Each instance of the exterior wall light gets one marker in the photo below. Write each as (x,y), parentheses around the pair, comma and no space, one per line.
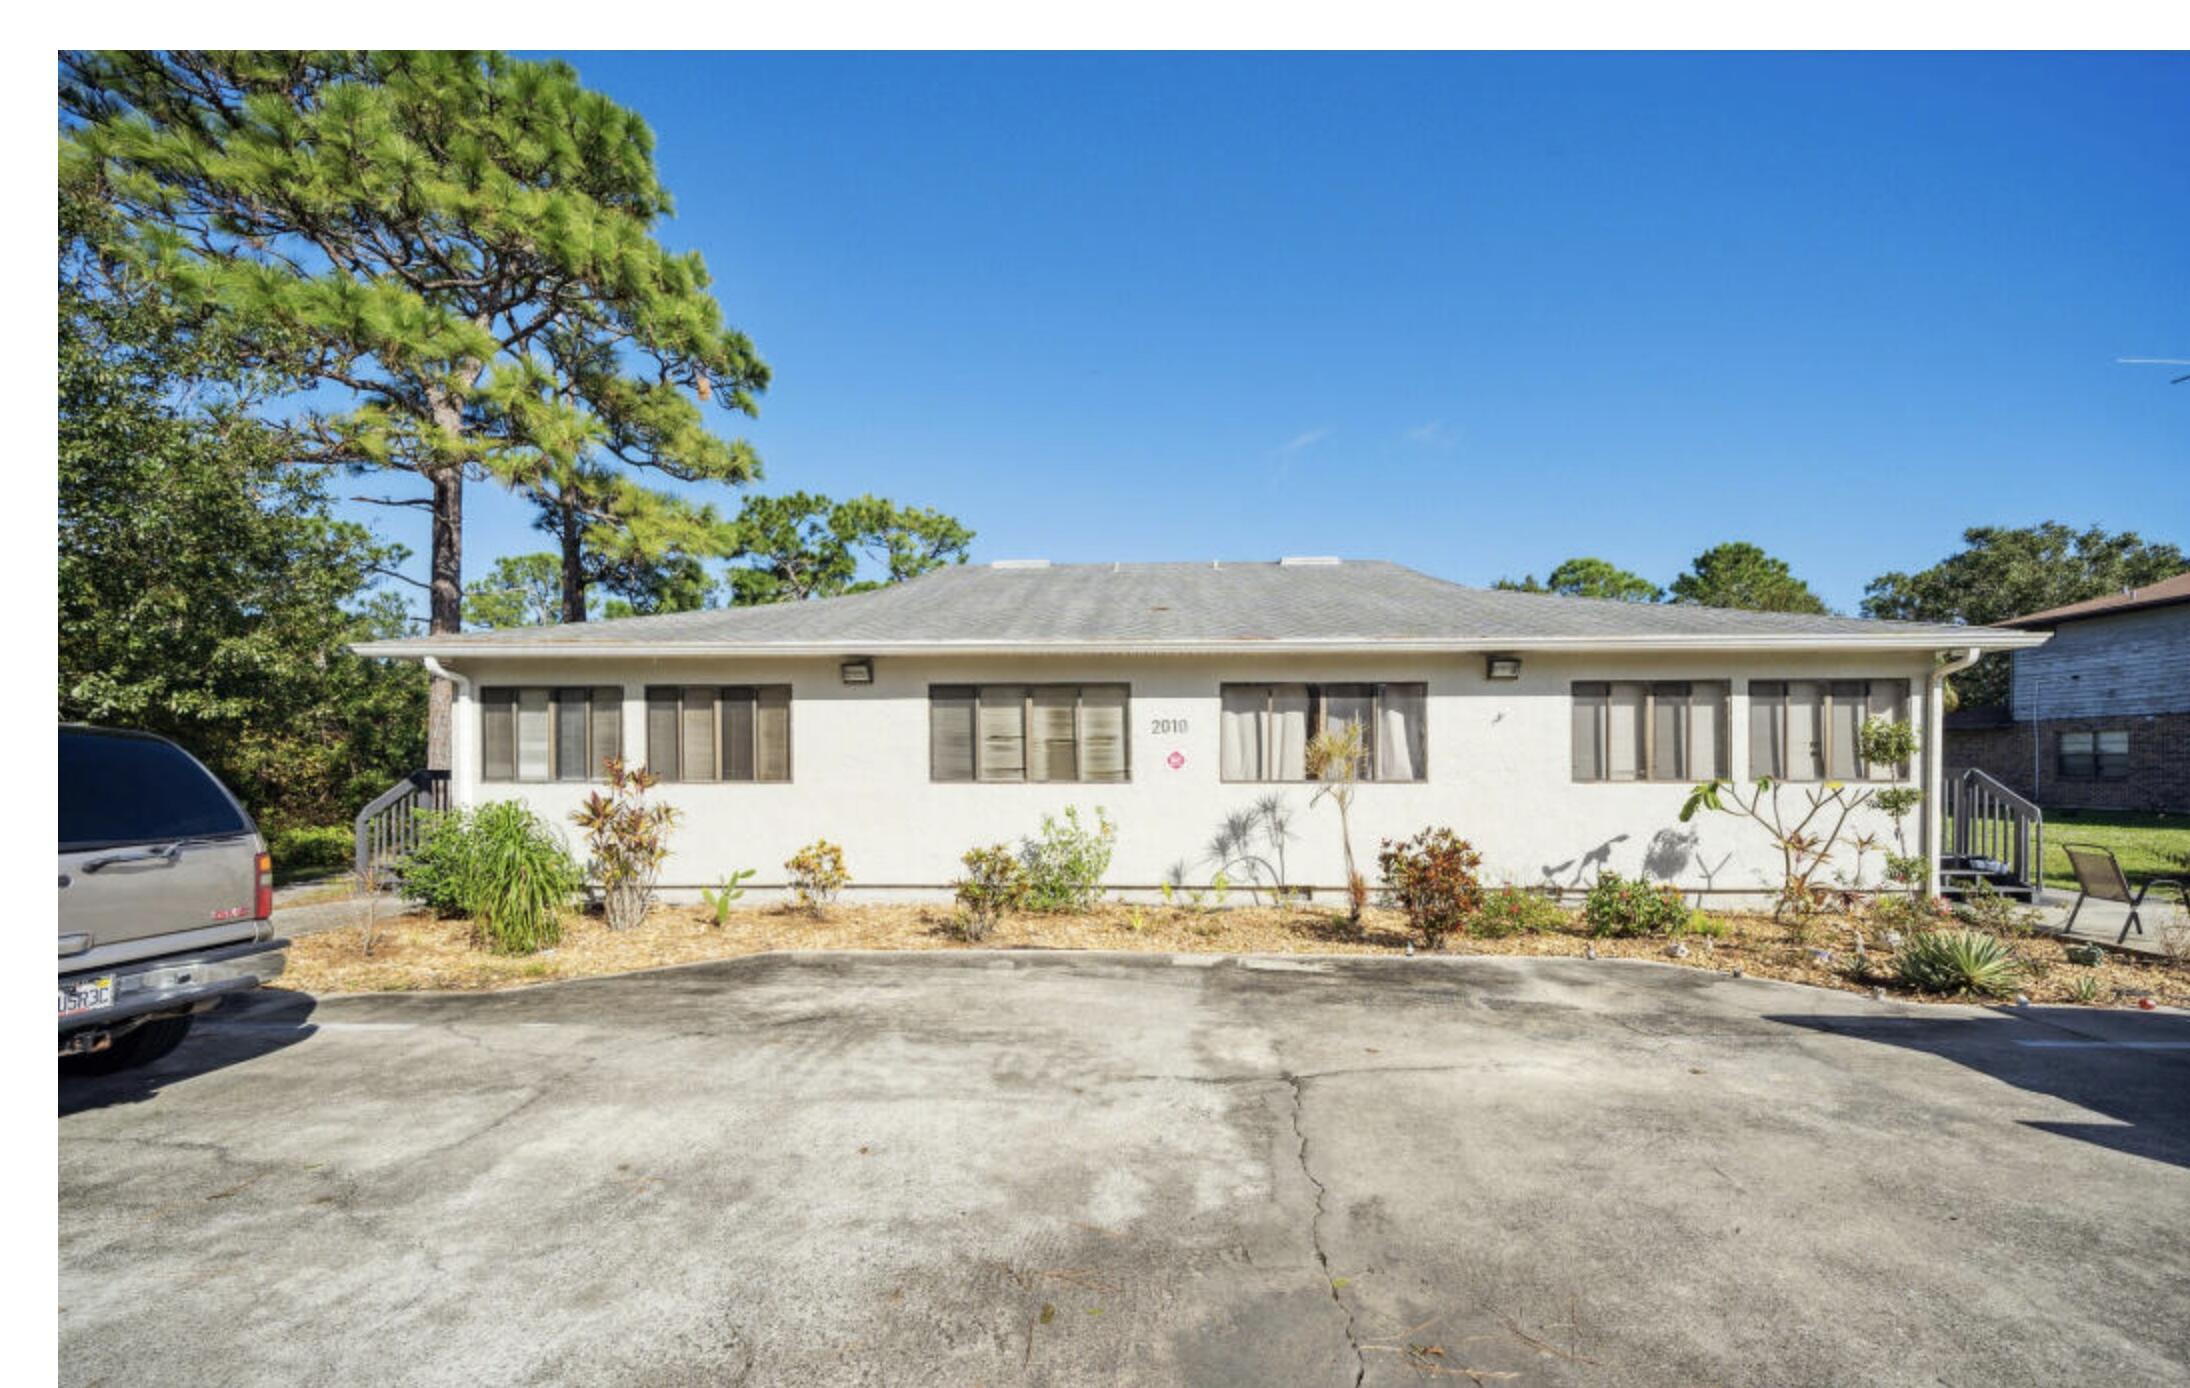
(857,671)
(1503,667)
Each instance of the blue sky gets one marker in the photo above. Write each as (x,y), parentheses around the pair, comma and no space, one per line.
(1474,314)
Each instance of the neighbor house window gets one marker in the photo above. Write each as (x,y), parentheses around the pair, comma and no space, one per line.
(1650,730)
(705,732)
(1028,732)
(2090,756)
(1811,730)
(542,734)
(1266,728)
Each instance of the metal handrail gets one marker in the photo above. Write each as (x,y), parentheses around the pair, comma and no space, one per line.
(389,827)
(1991,821)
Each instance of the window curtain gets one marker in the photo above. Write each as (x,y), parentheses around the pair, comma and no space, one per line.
(498,734)
(1624,733)
(1052,735)
(950,732)
(1102,734)
(661,731)
(1707,733)
(772,733)
(608,729)
(535,745)
(697,762)
(1805,745)
(1400,735)
(1003,741)
(1588,730)
(1243,723)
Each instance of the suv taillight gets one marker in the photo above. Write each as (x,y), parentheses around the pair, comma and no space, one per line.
(262,902)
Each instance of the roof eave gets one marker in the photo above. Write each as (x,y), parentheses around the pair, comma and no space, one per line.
(1990,639)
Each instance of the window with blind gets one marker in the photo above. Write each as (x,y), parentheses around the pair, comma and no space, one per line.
(1650,730)
(539,734)
(1265,728)
(1811,730)
(705,732)
(1028,732)
(2094,756)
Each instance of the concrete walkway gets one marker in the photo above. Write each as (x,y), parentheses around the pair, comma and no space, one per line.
(2101,921)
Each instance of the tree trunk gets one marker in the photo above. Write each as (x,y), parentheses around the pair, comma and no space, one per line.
(446,609)
(574,578)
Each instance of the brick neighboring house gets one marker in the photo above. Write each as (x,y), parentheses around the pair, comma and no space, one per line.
(2098,717)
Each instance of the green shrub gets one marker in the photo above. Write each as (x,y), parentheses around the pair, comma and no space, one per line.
(1702,923)
(1515,911)
(1619,906)
(313,848)
(438,872)
(1066,862)
(1983,908)
(1898,911)
(1431,877)
(1958,961)
(817,875)
(501,865)
(995,885)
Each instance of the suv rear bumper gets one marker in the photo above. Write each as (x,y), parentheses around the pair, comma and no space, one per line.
(174,983)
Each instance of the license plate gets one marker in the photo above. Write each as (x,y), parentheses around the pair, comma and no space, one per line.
(87,995)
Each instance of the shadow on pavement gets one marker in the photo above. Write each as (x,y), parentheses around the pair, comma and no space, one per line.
(2131,1067)
(240,1029)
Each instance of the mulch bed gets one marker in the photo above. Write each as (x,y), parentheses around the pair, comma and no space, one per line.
(419,953)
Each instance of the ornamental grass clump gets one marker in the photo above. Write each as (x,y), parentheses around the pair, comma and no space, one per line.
(501,865)
(1958,961)
(1431,877)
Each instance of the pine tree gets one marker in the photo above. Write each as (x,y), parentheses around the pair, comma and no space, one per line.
(461,244)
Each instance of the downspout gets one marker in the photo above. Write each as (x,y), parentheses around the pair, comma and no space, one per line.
(461,760)
(1935,754)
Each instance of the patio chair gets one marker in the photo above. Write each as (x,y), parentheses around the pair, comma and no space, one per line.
(2099,875)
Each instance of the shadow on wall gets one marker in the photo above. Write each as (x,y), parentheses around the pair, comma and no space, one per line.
(242,1028)
(1584,868)
(2130,1067)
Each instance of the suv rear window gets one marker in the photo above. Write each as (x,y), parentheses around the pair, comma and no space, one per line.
(121,790)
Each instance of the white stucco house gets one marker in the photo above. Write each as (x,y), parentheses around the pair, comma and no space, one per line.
(1557,734)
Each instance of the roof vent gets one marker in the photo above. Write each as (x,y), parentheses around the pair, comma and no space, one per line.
(1308,561)
(1019,563)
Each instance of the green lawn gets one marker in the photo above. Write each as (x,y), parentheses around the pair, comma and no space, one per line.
(2149,845)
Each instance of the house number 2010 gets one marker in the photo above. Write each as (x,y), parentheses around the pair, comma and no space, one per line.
(1166,726)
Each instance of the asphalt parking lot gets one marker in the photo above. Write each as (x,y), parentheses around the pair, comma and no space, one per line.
(992,1169)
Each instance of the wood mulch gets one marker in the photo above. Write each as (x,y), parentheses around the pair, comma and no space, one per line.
(419,953)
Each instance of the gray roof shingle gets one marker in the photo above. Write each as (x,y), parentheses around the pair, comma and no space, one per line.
(1155,606)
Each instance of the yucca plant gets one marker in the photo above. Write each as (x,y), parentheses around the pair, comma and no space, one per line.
(1958,961)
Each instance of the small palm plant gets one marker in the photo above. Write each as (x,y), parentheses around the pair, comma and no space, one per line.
(1335,758)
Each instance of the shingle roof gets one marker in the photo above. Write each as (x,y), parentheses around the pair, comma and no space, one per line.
(2167,590)
(1363,603)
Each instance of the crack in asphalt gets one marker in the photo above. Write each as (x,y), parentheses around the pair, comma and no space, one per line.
(1293,1084)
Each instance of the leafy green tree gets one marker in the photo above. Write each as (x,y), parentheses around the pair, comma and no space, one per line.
(523,590)
(1737,574)
(1589,578)
(644,545)
(2004,572)
(204,591)
(455,252)
(807,546)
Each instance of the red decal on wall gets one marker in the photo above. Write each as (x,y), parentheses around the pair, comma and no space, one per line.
(1175,760)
